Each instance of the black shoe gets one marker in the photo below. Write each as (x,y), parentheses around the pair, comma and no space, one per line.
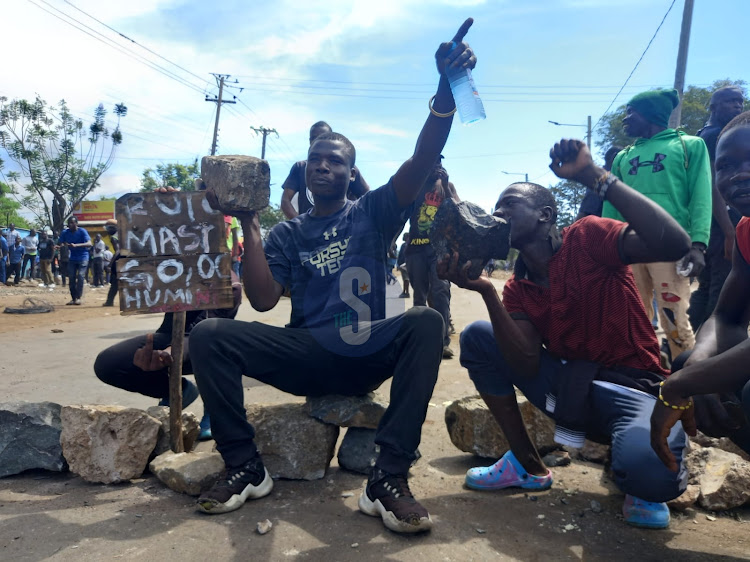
(388,496)
(108,304)
(237,485)
(447,352)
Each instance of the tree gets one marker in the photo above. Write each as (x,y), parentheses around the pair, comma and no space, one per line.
(9,209)
(694,114)
(270,217)
(60,161)
(568,195)
(175,175)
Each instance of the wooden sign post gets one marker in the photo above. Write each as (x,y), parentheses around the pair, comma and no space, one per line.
(174,258)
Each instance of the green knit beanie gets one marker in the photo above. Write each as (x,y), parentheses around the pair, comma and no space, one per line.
(656,105)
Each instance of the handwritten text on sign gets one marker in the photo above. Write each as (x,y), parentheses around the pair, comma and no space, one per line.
(174,254)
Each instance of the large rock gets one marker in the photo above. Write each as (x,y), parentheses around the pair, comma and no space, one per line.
(358,451)
(473,429)
(293,444)
(190,430)
(30,437)
(467,229)
(723,443)
(686,499)
(240,183)
(107,443)
(347,411)
(594,452)
(723,477)
(188,473)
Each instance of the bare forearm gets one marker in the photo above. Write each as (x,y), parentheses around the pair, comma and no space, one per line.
(719,208)
(521,354)
(260,286)
(725,372)
(435,132)
(655,227)
(288,209)
(413,173)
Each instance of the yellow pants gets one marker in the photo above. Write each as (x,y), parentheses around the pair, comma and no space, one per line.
(672,295)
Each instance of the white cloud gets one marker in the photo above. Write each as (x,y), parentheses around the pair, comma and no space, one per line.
(375,129)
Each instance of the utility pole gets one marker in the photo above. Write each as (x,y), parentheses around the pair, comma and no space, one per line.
(682,53)
(265,132)
(588,134)
(218,101)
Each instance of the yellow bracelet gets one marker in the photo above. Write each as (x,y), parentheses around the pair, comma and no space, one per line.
(668,405)
(435,113)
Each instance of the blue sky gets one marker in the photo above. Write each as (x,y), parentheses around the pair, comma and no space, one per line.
(365,67)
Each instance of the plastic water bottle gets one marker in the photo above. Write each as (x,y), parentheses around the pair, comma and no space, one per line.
(468,103)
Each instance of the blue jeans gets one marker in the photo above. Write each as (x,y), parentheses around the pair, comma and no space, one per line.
(2,269)
(618,412)
(76,275)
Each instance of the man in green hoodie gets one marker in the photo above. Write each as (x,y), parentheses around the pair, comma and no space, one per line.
(673,170)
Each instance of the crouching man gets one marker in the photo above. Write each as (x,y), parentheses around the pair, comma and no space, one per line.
(571,333)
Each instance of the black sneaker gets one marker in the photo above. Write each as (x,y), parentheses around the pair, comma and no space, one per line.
(388,496)
(237,485)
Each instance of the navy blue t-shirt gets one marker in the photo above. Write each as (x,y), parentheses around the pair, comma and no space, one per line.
(335,266)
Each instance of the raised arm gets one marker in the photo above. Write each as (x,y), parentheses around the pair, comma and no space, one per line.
(653,236)
(413,173)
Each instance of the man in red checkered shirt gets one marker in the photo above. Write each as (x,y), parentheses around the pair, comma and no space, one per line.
(572,334)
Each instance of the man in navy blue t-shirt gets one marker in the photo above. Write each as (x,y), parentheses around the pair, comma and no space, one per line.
(77,239)
(333,261)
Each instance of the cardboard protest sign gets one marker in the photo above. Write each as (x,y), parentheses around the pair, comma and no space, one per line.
(174,255)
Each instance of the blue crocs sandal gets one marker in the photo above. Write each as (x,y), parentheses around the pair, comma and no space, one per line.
(506,473)
(205,429)
(649,515)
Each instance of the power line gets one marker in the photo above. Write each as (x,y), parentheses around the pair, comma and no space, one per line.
(110,43)
(432,85)
(637,63)
(201,78)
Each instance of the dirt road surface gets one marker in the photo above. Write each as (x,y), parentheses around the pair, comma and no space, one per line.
(45,516)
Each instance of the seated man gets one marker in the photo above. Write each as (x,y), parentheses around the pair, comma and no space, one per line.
(716,371)
(571,333)
(141,364)
(338,340)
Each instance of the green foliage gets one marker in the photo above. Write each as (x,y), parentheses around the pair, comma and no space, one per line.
(9,208)
(694,114)
(568,195)
(175,175)
(270,217)
(59,162)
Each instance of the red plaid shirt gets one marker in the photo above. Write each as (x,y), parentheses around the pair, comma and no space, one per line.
(743,238)
(592,309)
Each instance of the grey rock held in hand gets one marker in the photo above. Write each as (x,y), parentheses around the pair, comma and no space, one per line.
(477,237)
(240,183)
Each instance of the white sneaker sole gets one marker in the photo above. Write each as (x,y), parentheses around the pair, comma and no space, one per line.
(376,509)
(237,500)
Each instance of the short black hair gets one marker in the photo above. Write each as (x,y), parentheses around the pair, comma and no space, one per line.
(72,218)
(724,90)
(539,197)
(742,120)
(342,139)
(320,124)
